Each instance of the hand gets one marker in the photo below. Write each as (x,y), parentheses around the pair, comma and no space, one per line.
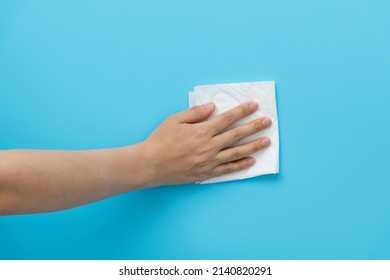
(187,147)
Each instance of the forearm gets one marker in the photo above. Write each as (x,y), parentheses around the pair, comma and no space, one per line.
(43,181)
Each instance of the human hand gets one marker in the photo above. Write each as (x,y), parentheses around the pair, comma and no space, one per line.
(187,147)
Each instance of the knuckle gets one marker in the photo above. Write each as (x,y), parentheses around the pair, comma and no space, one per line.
(228,118)
(190,163)
(206,151)
(237,134)
(200,164)
(256,146)
(242,165)
(236,153)
(197,110)
(244,111)
(205,174)
(257,125)
(202,131)
(227,168)
(209,147)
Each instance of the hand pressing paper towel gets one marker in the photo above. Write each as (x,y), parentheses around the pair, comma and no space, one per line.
(228,96)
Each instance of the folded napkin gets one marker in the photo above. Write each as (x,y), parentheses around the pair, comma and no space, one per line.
(228,96)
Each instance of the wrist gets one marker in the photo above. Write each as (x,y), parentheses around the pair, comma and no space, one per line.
(140,172)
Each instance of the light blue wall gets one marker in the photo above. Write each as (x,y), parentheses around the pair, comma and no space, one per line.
(92,74)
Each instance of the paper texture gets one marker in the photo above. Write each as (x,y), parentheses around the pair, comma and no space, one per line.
(228,96)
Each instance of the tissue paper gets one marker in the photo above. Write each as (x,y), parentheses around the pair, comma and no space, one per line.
(228,96)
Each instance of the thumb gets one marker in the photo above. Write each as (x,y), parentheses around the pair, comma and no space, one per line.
(196,113)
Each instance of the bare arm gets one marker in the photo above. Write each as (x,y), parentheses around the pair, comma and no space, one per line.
(43,181)
(185,148)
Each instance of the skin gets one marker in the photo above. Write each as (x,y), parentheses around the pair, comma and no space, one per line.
(185,148)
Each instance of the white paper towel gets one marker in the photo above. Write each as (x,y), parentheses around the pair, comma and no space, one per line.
(228,96)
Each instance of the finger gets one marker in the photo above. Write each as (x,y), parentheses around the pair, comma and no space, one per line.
(243,151)
(232,166)
(196,113)
(230,117)
(236,134)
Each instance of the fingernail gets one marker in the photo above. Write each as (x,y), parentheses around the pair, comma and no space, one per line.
(253,106)
(250,161)
(265,142)
(209,105)
(267,122)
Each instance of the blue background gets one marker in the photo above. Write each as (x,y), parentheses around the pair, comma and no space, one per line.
(94,74)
